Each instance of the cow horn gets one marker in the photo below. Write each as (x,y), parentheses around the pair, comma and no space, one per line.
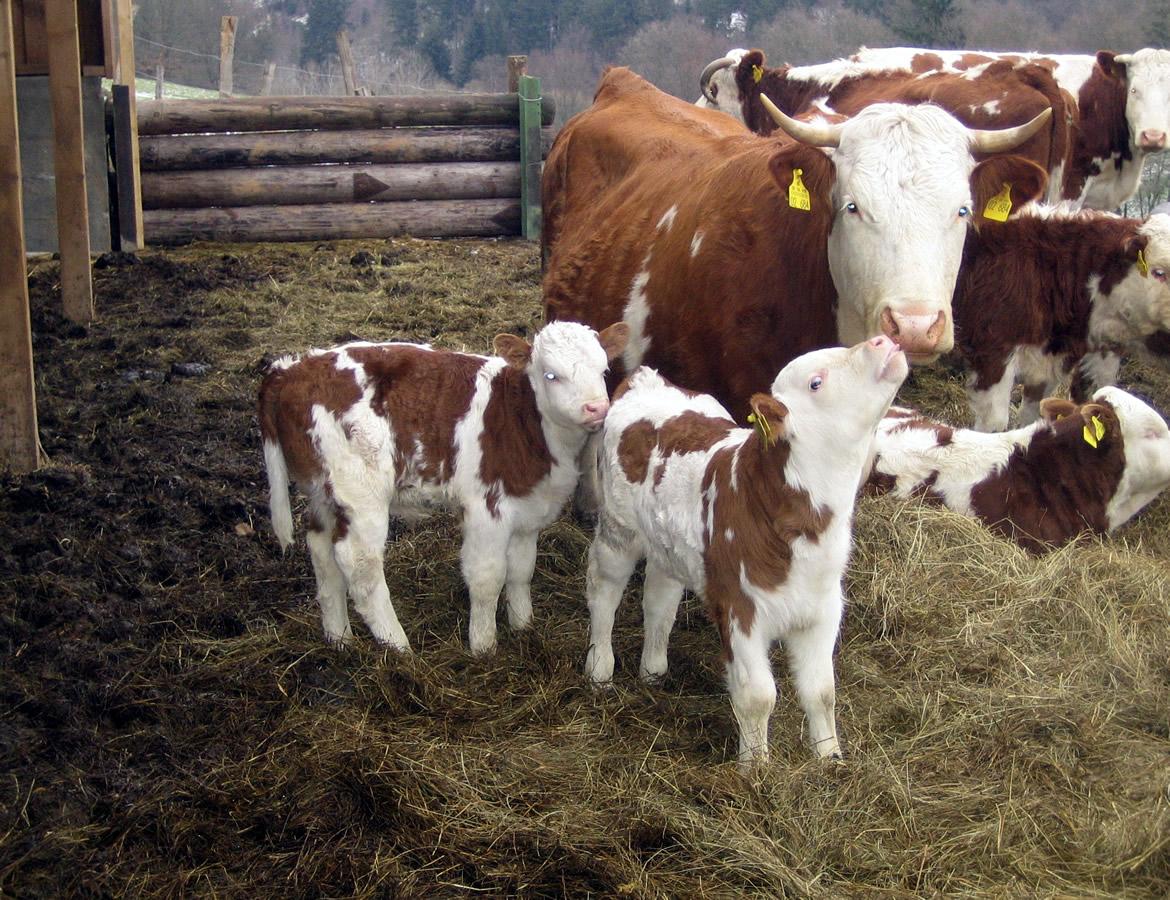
(814,134)
(713,67)
(1124,58)
(1001,140)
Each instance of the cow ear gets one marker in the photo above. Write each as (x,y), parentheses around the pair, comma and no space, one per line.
(744,77)
(614,339)
(1053,408)
(1024,181)
(1110,64)
(515,350)
(1135,244)
(768,417)
(816,175)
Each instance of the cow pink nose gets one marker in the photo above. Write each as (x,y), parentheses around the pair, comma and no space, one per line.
(882,342)
(597,409)
(1153,138)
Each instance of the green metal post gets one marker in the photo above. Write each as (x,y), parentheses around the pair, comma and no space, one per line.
(530,157)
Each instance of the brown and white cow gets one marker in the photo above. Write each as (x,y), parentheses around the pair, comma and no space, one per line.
(1081,468)
(998,95)
(1121,102)
(370,430)
(1051,292)
(729,256)
(758,521)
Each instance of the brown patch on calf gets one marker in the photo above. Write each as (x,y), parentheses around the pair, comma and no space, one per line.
(516,457)
(688,432)
(635,446)
(926,62)
(1059,485)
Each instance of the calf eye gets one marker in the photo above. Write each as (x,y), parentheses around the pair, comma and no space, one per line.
(1158,273)
(851,206)
(550,376)
(964,211)
(814,383)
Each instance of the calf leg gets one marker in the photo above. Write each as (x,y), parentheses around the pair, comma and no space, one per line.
(612,557)
(660,598)
(991,404)
(330,580)
(753,692)
(484,557)
(810,655)
(521,565)
(1096,370)
(587,496)
(359,554)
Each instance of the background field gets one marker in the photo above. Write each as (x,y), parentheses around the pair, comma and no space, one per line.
(170,722)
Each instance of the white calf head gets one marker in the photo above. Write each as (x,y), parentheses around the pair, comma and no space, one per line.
(1147,454)
(1138,305)
(906,188)
(566,365)
(835,397)
(1147,101)
(718,87)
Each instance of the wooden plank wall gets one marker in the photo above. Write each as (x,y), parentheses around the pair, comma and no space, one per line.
(32,42)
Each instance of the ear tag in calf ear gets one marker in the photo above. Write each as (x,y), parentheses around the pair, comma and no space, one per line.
(999,207)
(798,197)
(757,73)
(763,428)
(1142,265)
(1094,434)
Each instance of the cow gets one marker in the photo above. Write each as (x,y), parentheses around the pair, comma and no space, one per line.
(998,95)
(1052,292)
(757,521)
(1080,468)
(730,255)
(367,430)
(1121,102)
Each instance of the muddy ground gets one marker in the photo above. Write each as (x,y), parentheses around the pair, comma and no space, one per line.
(171,724)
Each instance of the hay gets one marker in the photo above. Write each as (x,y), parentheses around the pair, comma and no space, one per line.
(174,725)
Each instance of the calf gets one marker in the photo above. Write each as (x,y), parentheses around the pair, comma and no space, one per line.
(1051,292)
(1081,468)
(757,521)
(367,430)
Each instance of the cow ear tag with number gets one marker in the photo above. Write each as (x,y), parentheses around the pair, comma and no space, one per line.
(757,73)
(798,196)
(999,207)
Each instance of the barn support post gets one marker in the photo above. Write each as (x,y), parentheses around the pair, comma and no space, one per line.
(345,54)
(69,158)
(20,449)
(227,50)
(269,75)
(530,157)
(517,66)
(126,134)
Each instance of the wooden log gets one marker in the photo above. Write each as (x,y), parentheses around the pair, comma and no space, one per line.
(20,449)
(69,159)
(269,75)
(227,52)
(330,184)
(290,113)
(390,145)
(345,54)
(335,221)
(517,66)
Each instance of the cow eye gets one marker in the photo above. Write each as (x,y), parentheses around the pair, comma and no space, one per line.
(1158,273)
(814,383)
(964,211)
(550,376)
(851,206)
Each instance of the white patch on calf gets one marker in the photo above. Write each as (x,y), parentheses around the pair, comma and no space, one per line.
(635,314)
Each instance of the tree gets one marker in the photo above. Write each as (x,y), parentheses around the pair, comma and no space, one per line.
(325,19)
(926,23)
(828,31)
(671,53)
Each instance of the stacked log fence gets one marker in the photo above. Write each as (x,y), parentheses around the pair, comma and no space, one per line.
(323,168)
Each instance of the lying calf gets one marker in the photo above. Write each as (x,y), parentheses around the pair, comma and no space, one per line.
(1051,292)
(757,521)
(370,430)
(1080,468)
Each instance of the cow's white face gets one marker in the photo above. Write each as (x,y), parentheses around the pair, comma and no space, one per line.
(1147,104)
(567,370)
(1139,304)
(1147,454)
(723,91)
(902,202)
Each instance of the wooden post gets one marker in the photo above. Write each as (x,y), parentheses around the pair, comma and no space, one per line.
(69,158)
(126,134)
(20,450)
(158,79)
(346,55)
(530,157)
(227,49)
(517,66)
(269,76)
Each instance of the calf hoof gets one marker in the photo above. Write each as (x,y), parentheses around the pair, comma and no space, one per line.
(598,668)
(652,677)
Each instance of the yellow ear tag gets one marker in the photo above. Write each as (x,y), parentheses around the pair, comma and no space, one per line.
(757,73)
(1093,435)
(999,207)
(1142,265)
(763,428)
(798,197)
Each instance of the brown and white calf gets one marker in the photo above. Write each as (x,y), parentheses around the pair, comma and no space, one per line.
(1081,468)
(758,521)
(370,430)
(1052,292)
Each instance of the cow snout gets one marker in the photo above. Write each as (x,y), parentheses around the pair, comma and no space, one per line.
(1152,139)
(595,411)
(920,335)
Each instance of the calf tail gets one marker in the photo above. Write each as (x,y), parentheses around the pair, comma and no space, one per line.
(278,500)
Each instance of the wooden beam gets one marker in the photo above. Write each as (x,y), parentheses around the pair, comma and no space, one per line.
(158,79)
(227,51)
(69,159)
(127,164)
(269,75)
(517,66)
(530,157)
(20,450)
(347,72)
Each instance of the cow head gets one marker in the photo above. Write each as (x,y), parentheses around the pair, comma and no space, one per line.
(1146,440)
(1137,306)
(566,364)
(1146,74)
(717,84)
(904,193)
